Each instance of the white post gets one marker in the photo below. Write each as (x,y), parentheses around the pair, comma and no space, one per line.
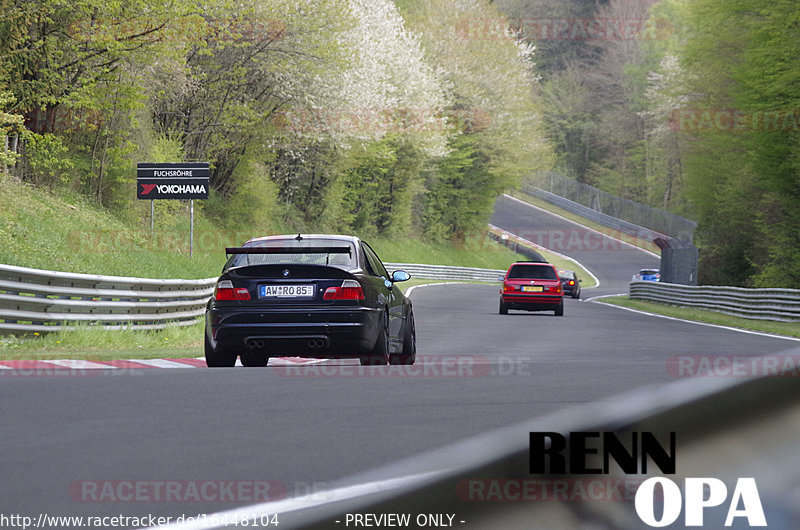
(191,228)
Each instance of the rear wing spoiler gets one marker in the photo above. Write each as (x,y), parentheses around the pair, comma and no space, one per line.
(289,250)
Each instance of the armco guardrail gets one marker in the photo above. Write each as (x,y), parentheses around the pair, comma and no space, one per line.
(633,212)
(447,272)
(762,304)
(38,301)
(678,254)
(598,217)
(34,300)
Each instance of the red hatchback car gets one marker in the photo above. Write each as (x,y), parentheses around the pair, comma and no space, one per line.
(532,287)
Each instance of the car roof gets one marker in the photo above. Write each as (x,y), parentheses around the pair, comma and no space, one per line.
(338,237)
(534,263)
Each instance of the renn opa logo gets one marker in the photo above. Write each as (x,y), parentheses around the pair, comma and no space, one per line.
(573,454)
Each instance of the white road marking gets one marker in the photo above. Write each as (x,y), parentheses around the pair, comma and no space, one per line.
(294,361)
(411,289)
(748,331)
(77,364)
(161,363)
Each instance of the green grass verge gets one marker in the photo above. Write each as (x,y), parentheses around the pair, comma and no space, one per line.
(544,205)
(63,231)
(98,344)
(789,329)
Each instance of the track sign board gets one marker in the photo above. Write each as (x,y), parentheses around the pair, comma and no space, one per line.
(182,180)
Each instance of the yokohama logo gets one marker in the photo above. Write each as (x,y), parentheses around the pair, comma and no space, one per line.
(173,188)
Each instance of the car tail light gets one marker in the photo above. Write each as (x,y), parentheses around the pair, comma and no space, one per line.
(508,287)
(572,282)
(349,290)
(226,291)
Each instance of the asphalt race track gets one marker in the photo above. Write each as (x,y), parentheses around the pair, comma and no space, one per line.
(610,259)
(293,430)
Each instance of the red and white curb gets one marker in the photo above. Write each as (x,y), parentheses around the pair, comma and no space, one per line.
(198,362)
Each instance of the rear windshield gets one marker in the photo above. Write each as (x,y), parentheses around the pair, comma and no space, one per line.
(566,274)
(534,272)
(306,253)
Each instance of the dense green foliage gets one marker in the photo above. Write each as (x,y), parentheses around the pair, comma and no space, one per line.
(407,118)
(745,178)
(320,115)
(694,112)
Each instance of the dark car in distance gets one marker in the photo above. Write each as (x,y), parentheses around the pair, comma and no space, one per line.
(319,296)
(570,283)
(532,286)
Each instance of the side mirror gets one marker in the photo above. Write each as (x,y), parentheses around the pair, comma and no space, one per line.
(400,276)
(580,281)
(501,278)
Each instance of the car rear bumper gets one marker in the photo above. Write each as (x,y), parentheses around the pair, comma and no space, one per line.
(535,302)
(309,332)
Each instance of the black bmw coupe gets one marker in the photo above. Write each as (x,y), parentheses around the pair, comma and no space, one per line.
(320,296)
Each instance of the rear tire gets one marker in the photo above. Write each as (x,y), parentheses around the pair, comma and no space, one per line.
(217,358)
(409,353)
(560,311)
(254,359)
(503,308)
(379,355)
